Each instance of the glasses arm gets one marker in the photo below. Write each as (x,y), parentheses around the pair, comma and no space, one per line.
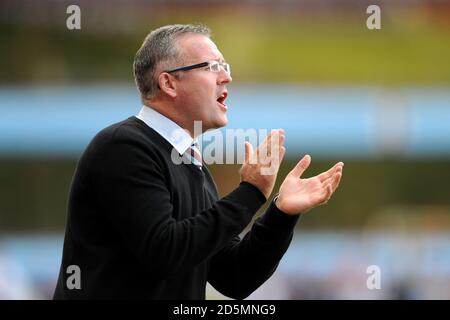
(193,66)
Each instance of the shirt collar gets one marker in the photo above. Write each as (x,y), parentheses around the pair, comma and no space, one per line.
(169,130)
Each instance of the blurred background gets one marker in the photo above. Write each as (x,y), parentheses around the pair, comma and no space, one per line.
(379,100)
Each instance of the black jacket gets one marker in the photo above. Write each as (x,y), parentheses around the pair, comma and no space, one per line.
(140,226)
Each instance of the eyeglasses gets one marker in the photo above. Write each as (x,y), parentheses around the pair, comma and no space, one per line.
(213,66)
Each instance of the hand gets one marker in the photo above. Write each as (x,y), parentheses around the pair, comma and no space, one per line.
(298,195)
(260,168)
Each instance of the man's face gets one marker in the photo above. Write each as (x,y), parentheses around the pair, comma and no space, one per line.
(201,93)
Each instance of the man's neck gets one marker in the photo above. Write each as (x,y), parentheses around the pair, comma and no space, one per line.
(167,111)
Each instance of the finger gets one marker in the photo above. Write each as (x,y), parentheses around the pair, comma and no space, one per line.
(324,176)
(329,179)
(276,151)
(329,192)
(273,143)
(326,194)
(276,143)
(282,138)
(270,148)
(336,181)
(276,140)
(274,136)
(301,166)
(248,151)
(332,185)
(329,173)
(282,153)
(263,147)
(269,137)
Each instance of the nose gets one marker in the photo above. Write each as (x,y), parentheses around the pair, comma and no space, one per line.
(224,77)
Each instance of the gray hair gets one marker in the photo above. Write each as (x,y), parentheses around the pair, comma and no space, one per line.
(158,49)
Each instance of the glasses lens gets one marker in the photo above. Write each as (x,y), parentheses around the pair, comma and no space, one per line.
(226,67)
(214,66)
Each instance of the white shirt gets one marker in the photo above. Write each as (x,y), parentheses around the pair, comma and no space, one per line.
(169,130)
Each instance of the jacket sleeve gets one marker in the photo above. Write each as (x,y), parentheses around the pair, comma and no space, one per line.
(131,192)
(243,265)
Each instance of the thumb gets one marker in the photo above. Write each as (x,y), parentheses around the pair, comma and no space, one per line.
(248,151)
(301,166)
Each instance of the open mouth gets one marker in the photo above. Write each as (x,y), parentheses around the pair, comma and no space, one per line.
(221,100)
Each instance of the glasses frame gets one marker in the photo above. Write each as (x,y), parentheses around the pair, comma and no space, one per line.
(225,66)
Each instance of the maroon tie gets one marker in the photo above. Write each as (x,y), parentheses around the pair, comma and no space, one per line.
(196,156)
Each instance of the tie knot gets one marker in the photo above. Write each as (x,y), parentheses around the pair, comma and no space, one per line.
(196,156)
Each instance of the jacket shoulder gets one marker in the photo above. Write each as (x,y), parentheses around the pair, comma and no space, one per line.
(129,134)
(123,131)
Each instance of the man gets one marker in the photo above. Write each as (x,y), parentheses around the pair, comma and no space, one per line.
(141,225)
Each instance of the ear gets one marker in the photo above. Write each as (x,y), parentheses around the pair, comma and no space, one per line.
(168,84)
